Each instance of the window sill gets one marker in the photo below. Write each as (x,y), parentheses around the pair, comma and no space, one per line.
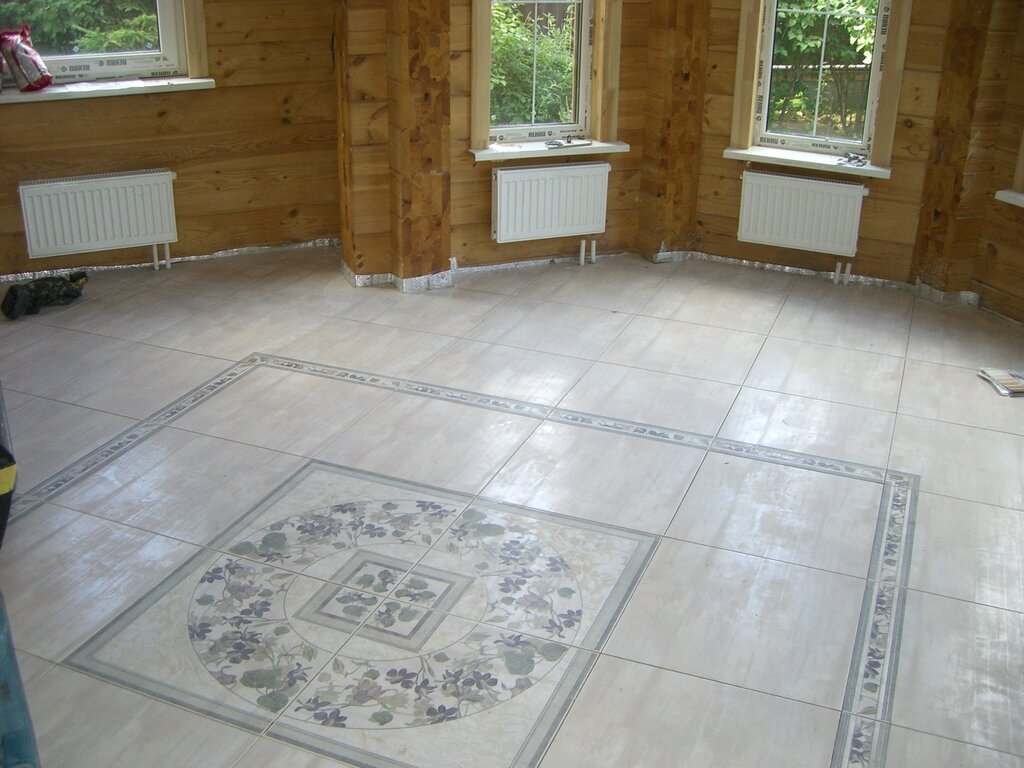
(107,88)
(1011,196)
(796,159)
(496,153)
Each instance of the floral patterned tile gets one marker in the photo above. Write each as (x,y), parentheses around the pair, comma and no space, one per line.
(487,700)
(335,623)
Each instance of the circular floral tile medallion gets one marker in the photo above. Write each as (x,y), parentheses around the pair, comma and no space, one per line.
(362,577)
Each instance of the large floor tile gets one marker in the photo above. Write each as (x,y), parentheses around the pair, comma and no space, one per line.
(364,347)
(685,349)
(520,374)
(598,475)
(35,424)
(816,427)
(784,513)
(236,328)
(558,328)
(960,672)
(219,278)
(123,729)
(965,337)
(962,462)
(30,667)
(908,748)
(600,285)
(733,275)
(329,294)
(65,574)
(958,395)
(283,410)
(650,397)
(506,281)
(267,753)
(136,312)
(636,715)
(27,371)
(769,626)
(879,297)
(431,441)
(722,306)
(181,484)
(106,374)
(969,551)
(853,377)
(451,312)
(854,326)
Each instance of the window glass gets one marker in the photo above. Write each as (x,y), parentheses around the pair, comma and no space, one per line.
(540,65)
(819,73)
(102,39)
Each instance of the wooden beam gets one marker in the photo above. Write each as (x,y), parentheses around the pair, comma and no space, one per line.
(604,97)
(194,13)
(935,249)
(345,181)
(677,77)
(419,129)
(742,133)
(480,84)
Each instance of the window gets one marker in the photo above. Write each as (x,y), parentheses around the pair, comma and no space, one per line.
(104,39)
(540,69)
(818,83)
(818,74)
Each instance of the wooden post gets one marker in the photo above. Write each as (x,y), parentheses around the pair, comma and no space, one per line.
(937,261)
(677,70)
(348,250)
(419,132)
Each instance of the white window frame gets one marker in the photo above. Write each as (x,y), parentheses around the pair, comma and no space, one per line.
(829,146)
(550,131)
(171,60)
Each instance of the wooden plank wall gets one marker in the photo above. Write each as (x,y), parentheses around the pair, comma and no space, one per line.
(471,242)
(256,157)
(677,67)
(890,214)
(419,56)
(363,136)
(999,272)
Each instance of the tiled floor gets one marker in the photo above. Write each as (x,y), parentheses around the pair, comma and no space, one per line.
(624,514)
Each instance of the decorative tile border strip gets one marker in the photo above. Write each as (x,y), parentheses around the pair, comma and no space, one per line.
(863,730)
(55,484)
(799,460)
(631,428)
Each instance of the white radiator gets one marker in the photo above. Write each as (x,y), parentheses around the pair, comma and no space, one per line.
(542,201)
(796,212)
(79,214)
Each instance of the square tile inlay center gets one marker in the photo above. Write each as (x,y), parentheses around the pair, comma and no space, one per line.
(405,622)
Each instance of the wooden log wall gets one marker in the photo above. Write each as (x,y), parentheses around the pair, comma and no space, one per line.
(419,55)
(677,67)
(363,136)
(471,181)
(999,271)
(891,210)
(256,157)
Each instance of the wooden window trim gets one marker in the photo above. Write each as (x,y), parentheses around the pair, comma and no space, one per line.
(749,53)
(196,51)
(604,94)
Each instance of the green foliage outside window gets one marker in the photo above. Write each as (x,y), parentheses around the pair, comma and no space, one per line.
(67,27)
(530,49)
(832,84)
